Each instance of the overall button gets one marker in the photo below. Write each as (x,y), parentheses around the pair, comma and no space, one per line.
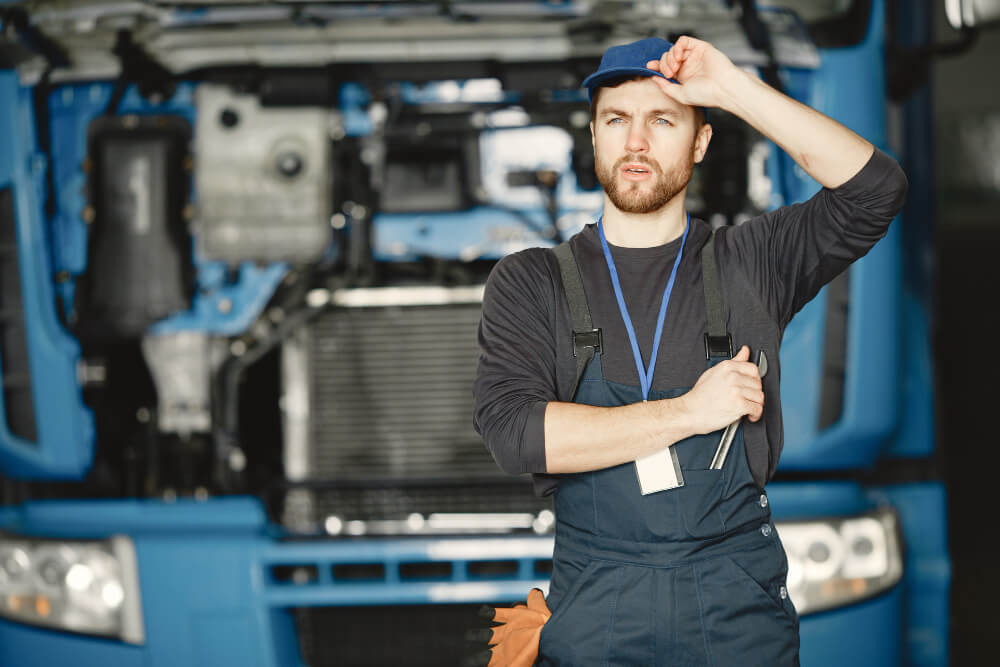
(783,592)
(765,530)
(763,500)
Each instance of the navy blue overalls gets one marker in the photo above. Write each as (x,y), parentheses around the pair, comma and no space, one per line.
(690,576)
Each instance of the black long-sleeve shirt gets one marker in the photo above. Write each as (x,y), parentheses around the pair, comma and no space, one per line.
(770,267)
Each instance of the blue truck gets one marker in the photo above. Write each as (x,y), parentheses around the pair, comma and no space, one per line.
(242,254)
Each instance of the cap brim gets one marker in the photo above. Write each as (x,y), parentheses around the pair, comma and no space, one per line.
(598,78)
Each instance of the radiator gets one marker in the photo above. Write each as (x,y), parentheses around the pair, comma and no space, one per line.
(377,402)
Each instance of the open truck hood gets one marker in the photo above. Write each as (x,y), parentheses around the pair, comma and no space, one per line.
(186,36)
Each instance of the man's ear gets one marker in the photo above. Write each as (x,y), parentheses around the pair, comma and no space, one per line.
(701,141)
(593,140)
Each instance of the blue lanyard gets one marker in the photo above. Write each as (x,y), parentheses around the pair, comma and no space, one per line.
(645,376)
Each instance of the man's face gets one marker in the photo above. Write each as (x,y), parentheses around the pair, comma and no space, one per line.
(645,145)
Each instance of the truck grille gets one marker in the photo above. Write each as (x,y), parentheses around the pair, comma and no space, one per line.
(410,635)
(388,431)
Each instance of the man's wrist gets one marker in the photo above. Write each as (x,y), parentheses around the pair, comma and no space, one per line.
(736,87)
(674,419)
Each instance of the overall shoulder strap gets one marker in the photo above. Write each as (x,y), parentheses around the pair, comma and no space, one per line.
(718,341)
(586,339)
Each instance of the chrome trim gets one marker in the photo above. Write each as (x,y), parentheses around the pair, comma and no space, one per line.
(133,625)
(370,297)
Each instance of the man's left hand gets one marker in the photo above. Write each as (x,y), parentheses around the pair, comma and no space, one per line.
(515,642)
(701,72)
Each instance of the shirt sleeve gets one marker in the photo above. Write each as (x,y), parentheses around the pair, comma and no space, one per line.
(790,253)
(516,376)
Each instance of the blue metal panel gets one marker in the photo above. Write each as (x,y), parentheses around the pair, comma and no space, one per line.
(849,89)
(479,233)
(863,634)
(927,572)
(811,500)
(95,518)
(26,646)
(202,603)
(871,394)
(915,436)
(65,444)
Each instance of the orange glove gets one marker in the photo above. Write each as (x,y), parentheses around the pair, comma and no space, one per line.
(515,642)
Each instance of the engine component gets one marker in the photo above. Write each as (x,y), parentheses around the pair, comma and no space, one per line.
(139,267)
(421,178)
(181,369)
(263,178)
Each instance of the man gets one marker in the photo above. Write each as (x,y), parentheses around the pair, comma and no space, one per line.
(692,574)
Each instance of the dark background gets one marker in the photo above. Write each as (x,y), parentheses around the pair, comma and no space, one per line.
(966,93)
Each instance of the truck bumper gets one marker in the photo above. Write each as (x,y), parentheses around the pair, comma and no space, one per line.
(219,589)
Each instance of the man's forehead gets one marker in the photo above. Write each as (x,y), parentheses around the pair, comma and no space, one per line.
(639,96)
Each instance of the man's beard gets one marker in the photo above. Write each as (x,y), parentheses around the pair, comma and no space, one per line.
(633,197)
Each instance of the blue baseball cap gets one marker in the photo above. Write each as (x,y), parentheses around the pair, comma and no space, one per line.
(627,60)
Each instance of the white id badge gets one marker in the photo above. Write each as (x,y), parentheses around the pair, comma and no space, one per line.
(659,471)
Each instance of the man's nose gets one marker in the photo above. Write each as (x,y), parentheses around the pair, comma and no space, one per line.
(636,141)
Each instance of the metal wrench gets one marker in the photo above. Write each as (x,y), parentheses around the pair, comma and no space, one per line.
(727,436)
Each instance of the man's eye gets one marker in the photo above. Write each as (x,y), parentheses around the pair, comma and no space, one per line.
(663,121)
(616,121)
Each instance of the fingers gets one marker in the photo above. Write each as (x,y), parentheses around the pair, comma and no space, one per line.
(755,397)
(672,90)
(516,648)
(740,363)
(735,371)
(506,614)
(536,602)
(498,634)
(672,61)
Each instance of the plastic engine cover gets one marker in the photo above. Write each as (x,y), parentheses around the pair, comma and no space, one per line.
(263,178)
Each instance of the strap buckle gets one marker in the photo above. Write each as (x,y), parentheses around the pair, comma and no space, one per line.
(582,339)
(718,346)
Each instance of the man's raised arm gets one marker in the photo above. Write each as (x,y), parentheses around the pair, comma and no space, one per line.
(825,149)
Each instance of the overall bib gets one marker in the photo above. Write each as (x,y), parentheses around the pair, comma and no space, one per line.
(690,576)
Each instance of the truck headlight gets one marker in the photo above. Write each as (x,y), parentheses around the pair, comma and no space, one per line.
(832,563)
(90,587)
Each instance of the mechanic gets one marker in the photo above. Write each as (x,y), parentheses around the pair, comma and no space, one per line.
(694,573)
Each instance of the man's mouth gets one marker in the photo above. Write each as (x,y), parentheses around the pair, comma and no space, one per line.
(635,171)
